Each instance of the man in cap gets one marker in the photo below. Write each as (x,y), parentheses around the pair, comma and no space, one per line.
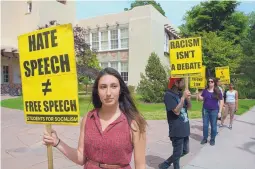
(177,103)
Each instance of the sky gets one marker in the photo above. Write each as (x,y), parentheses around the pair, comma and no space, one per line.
(174,10)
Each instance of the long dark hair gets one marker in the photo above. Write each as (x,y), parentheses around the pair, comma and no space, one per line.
(126,103)
(216,90)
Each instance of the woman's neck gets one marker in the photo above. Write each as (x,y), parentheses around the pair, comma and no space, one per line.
(210,88)
(107,112)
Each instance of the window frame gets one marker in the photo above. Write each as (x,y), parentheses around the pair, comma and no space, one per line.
(124,38)
(4,74)
(116,39)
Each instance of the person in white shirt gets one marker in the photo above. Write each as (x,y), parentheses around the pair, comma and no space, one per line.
(231,104)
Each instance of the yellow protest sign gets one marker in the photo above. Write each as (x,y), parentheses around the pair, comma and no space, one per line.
(223,74)
(198,82)
(49,78)
(186,57)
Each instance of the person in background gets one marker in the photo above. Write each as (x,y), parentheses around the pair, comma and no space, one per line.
(177,103)
(111,132)
(219,86)
(211,109)
(218,82)
(231,104)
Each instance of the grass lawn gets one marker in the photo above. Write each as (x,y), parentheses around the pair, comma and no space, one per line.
(150,111)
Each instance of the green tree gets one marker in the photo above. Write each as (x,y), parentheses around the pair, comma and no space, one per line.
(235,27)
(217,52)
(87,62)
(248,44)
(207,16)
(245,81)
(142,3)
(85,80)
(153,84)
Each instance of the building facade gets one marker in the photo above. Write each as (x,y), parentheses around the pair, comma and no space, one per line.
(125,40)
(20,17)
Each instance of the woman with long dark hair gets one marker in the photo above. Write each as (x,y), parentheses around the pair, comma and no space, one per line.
(231,104)
(211,109)
(111,132)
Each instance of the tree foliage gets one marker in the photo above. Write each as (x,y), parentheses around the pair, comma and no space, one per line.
(228,39)
(207,16)
(221,28)
(248,44)
(87,62)
(153,84)
(142,3)
(218,52)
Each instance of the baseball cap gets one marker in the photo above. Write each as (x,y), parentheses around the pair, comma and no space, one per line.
(172,81)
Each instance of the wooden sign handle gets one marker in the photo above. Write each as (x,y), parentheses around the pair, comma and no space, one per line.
(49,149)
(186,83)
(187,87)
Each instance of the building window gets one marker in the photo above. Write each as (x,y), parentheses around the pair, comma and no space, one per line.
(114,39)
(5,74)
(114,65)
(62,1)
(124,71)
(87,38)
(29,7)
(95,41)
(104,40)
(166,43)
(124,37)
(104,65)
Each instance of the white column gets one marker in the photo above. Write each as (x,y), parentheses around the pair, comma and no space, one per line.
(119,42)
(119,67)
(109,64)
(90,40)
(100,64)
(99,37)
(109,39)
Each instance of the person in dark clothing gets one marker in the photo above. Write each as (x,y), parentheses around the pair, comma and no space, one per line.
(177,103)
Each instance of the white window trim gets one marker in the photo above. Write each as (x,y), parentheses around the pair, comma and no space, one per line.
(109,41)
(111,50)
(119,67)
(99,38)
(119,40)
(95,41)
(90,40)
(124,38)
(2,74)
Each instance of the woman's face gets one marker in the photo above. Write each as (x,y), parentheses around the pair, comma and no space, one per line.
(231,86)
(109,90)
(211,83)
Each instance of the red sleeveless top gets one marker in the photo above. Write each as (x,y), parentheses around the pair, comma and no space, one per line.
(111,146)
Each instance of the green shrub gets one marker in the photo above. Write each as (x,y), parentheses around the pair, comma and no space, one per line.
(154,83)
(131,89)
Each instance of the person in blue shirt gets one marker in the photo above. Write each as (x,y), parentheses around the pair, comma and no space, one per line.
(177,103)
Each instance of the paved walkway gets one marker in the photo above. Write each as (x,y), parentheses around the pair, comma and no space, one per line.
(22,147)
(234,149)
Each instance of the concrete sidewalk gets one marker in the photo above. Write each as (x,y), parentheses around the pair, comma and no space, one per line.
(21,146)
(234,149)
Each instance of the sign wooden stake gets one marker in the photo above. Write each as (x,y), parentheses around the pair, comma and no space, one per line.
(187,86)
(186,83)
(49,149)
